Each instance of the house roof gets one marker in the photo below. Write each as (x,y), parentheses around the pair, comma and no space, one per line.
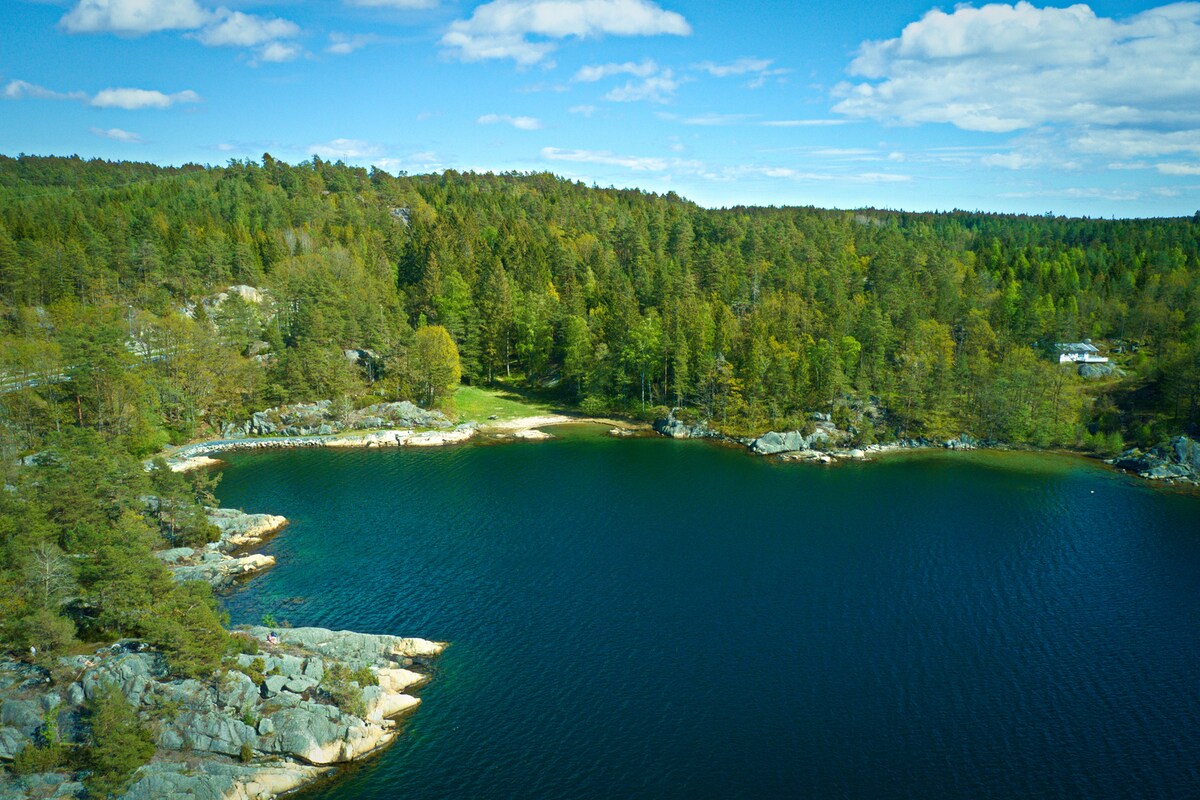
(1076,347)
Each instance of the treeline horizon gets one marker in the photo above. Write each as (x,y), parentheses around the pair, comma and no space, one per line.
(615,300)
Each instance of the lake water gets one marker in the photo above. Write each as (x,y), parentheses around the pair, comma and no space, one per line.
(658,619)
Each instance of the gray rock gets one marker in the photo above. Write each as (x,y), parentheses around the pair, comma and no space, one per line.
(314,668)
(175,555)
(24,715)
(266,726)
(1187,451)
(274,684)
(774,442)
(212,732)
(288,665)
(238,690)
(680,430)
(299,684)
(12,741)
(218,780)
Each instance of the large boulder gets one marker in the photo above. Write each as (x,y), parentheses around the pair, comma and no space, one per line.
(354,649)
(774,442)
(677,429)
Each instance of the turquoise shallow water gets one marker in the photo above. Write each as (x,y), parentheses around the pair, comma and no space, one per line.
(650,618)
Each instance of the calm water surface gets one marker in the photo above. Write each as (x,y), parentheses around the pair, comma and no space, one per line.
(650,618)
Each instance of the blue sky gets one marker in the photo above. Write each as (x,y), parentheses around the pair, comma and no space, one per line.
(1084,110)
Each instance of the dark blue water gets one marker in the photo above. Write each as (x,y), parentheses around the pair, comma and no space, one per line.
(651,618)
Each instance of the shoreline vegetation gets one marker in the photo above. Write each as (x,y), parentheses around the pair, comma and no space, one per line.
(138,316)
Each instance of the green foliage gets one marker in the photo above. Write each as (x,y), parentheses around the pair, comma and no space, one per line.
(344,689)
(46,753)
(118,743)
(434,369)
(187,627)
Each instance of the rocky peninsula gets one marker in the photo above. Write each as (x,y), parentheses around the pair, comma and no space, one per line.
(285,712)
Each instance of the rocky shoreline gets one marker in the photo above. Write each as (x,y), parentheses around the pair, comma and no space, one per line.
(286,712)
(1176,462)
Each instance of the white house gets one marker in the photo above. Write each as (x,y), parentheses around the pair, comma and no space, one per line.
(1079,353)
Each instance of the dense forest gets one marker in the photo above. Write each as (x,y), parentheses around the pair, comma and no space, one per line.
(112,345)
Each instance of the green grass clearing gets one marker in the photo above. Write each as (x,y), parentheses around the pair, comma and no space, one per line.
(476,404)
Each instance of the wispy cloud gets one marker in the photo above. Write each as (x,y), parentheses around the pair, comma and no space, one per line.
(117,135)
(658,88)
(520,123)
(403,5)
(595,72)
(525,31)
(1178,169)
(636,163)
(133,99)
(759,70)
(345,148)
(585,110)
(134,17)
(269,37)
(19,90)
(341,44)
(801,123)
(236,29)
(126,98)
(715,120)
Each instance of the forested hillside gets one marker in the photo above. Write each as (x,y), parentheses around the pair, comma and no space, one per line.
(616,300)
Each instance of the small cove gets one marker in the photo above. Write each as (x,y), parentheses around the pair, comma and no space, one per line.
(651,618)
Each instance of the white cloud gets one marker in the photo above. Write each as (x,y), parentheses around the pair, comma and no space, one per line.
(1137,142)
(1014,160)
(341,44)
(219,28)
(597,72)
(134,99)
(713,120)
(125,98)
(739,67)
(520,123)
(133,17)
(656,89)
(400,4)
(118,135)
(502,29)
(277,53)
(809,177)
(19,90)
(802,123)
(345,148)
(1002,68)
(586,111)
(759,68)
(1178,169)
(236,29)
(635,163)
